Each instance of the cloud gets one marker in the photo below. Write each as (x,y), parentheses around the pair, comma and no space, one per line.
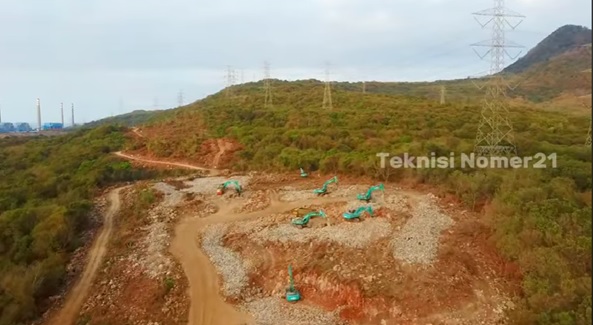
(95,52)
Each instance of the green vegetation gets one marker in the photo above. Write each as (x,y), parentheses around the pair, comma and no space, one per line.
(541,217)
(45,197)
(128,119)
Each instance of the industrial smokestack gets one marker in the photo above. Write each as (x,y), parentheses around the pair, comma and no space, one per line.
(72,114)
(39,114)
(62,112)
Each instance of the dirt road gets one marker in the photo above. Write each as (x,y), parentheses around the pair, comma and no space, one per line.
(213,172)
(207,305)
(69,312)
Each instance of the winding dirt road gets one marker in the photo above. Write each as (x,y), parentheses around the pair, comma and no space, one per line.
(69,312)
(207,304)
(213,172)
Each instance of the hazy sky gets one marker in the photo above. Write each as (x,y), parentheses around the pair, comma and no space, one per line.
(114,56)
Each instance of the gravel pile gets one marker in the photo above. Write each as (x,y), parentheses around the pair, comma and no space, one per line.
(151,256)
(228,263)
(258,200)
(418,240)
(208,185)
(351,191)
(354,234)
(396,202)
(274,311)
(172,196)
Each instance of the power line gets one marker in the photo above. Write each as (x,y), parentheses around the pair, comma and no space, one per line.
(267,86)
(327,94)
(495,132)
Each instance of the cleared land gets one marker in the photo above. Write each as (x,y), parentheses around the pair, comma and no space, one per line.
(224,259)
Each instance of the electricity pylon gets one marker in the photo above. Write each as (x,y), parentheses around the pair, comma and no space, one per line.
(180,98)
(231,79)
(267,86)
(443,90)
(495,132)
(327,94)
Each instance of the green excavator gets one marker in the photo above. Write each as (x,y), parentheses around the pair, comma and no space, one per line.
(355,214)
(303,174)
(323,189)
(304,221)
(222,187)
(367,196)
(292,294)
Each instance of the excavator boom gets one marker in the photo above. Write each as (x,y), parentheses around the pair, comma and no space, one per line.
(323,189)
(368,195)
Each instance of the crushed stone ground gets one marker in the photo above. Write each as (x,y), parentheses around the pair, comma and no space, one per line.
(274,311)
(354,235)
(418,240)
(228,263)
(152,256)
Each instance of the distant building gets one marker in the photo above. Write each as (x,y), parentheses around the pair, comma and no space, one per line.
(52,126)
(23,127)
(6,127)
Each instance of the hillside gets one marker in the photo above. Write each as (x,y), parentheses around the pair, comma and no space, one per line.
(46,201)
(565,38)
(297,133)
(134,118)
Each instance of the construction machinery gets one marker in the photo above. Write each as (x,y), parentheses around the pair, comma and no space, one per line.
(355,214)
(323,189)
(303,174)
(298,212)
(367,196)
(292,294)
(304,221)
(222,187)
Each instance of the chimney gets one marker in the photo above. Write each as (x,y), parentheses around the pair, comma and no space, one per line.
(39,114)
(72,114)
(62,112)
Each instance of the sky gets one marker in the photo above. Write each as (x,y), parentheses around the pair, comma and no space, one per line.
(110,57)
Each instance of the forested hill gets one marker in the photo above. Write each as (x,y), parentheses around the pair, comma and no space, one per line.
(562,40)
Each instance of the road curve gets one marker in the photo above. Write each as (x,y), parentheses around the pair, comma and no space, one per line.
(207,306)
(75,298)
(213,172)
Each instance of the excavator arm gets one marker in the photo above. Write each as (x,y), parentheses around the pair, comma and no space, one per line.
(368,195)
(323,189)
(357,213)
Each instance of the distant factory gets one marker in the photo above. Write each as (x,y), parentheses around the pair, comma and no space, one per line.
(23,127)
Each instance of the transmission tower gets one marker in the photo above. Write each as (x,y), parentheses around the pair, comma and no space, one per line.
(443,92)
(327,94)
(231,78)
(267,85)
(180,98)
(364,87)
(495,132)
